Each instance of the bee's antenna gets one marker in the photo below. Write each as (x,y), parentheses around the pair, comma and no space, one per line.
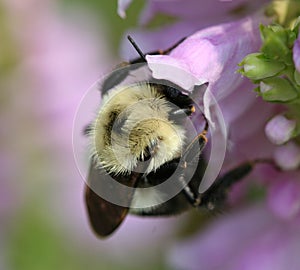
(139,51)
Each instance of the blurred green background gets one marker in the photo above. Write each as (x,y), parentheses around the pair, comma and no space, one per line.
(106,13)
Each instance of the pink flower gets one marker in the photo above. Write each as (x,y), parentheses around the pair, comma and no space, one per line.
(252,238)
(280,129)
(212,55)
(287,156)
(267,235)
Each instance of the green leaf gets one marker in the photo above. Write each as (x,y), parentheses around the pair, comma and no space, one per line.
(277,90)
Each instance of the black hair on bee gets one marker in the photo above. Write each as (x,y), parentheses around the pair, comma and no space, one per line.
(158,140)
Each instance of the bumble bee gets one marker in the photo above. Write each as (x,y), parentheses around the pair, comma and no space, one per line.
(139,141)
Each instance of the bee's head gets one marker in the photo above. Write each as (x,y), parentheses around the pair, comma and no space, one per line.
(134,126)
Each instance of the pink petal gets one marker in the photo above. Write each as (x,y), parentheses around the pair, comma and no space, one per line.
(212,55)
(284,196)
(296,54)
(249,239)
(122,6)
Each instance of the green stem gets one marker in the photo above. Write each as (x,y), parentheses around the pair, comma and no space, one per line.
(289,74)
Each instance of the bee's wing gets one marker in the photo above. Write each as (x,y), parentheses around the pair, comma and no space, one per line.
(105,217)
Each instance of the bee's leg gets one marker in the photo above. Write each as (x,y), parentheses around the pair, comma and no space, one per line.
(216,195)
(192,152)
(192,196)
(182,113)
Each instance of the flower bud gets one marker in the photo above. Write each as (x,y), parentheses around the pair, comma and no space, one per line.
(277,90)
(122,6)
(280,129)
(287,157)
(275,41)
(256,66)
